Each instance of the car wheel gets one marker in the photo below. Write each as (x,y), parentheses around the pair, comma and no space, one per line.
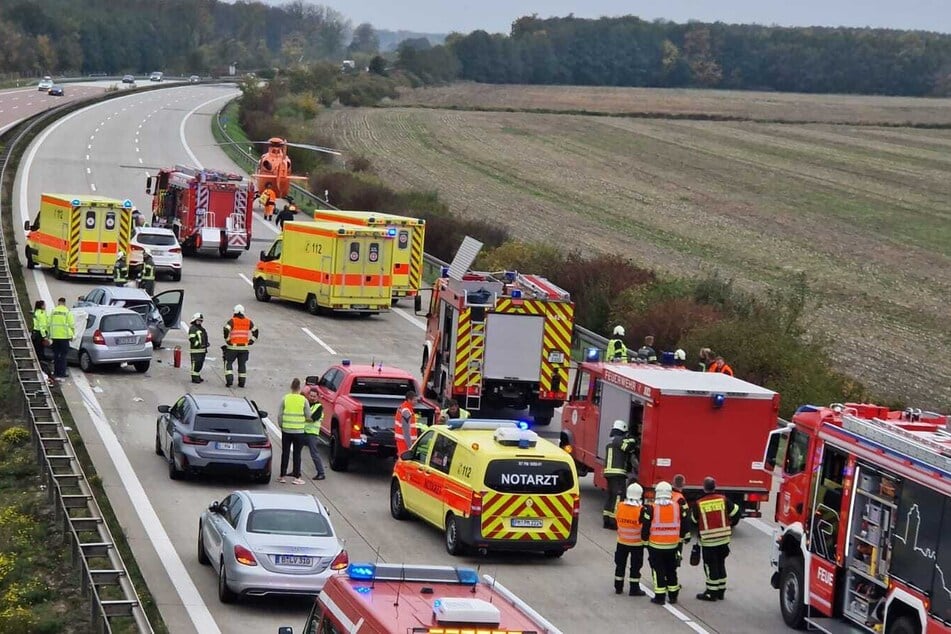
(904,625)
(85,361)
(264,477)
(173,472)
(58,272)
(225,595)
(30,262)
(791,593)
(142,366)
(158,442)
(260,292)
(339,456)
(454,545)
(397,508)
(202,555)
(176,276)
(311,304)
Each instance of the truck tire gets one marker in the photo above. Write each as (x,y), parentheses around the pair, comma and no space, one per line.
(397,508)
(260,292)
(311,305)
(454,545)
(339,455)
(904,625)
(791,593)
(58,272)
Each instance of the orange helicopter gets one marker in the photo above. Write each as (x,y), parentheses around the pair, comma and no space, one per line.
(274,166)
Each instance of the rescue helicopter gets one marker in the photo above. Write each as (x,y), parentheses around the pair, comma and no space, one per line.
(274,166)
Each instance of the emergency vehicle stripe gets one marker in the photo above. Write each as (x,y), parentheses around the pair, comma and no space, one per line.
(72,258)
(498,509)
(557,338)
(416,258)
(49,241)
(125,229)
(56,202)
(339,279)
(463,349)
(91,246)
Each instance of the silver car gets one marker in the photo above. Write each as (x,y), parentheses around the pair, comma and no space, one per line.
(164,247)
(264,543)
(216,434)
(162,312)
(111,336)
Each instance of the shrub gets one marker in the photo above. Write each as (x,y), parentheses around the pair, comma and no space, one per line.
(359,163)
(13,437)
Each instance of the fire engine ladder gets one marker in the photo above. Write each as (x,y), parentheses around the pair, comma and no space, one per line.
(431,362)
(932,453)
(203,215)
(236,221)
(476,358)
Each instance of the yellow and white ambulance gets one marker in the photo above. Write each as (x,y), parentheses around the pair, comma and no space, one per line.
(78,235)
(410,234)
(328,266)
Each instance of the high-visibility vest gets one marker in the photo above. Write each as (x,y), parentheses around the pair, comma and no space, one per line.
(61,324)
(41,322)
(723,368)
(463,414)
(293,418)
(238,331)
(398,421)
(616,350)
(628,518)
(148,272)
(713,525)
(312,426)
(121,272)
(665,524)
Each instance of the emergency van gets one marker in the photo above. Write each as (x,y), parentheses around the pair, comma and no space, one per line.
(410,235)
(78,235)
(376,598)
(328,266)
(489,484)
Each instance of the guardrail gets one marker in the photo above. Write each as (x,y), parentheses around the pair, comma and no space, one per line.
(581,338)
(92,544)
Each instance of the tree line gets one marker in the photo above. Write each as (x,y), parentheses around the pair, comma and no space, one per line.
(628,51)
(185,36)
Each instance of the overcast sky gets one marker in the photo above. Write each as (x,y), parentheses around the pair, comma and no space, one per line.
(442,16)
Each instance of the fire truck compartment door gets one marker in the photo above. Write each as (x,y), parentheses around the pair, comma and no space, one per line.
(513,346)
(615,405)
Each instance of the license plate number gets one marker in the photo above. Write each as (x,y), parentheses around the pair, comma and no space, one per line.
(360,306)
(527,523)
(125,341)
(226,445)
(292,560)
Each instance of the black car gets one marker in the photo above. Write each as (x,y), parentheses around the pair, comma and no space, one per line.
(57,91)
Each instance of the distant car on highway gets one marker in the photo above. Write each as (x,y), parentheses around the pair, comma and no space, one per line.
(161,312)
(45,84)
(216,434)
(164,247)
(57,91)
(156,76)
(128,79)
(110,336)
(194,79)
(263,543)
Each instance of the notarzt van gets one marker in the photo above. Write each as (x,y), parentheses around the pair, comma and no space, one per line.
(78,235)
(489,485)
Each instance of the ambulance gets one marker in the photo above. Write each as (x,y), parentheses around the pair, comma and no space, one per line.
(328,266)
(410,234)
(379,598)
(78,235)
(489,485)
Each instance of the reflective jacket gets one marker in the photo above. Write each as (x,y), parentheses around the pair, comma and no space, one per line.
(403,420)
(662,524)
(616,350)
(617,455)
(148,271)
(41,322)
(293,413)
(715,516)
(463,414)
(312,426)
(240,333)
(61,324)
(121,272)
(197,339)
(628,518)
(723,368)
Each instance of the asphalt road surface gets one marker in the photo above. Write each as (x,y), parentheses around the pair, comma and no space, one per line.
(109,149)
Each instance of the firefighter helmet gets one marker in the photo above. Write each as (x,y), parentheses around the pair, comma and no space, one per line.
(619,331)
(634,492)
(238,309)
(680,355)
(120,254)
(620,425)
(196,317)
(663,491)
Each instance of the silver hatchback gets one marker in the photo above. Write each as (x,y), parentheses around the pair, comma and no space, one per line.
(110,336)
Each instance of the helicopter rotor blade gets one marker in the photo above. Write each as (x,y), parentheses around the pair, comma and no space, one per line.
(315,148)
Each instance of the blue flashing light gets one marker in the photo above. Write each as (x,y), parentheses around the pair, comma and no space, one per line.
(511,276)
(805,409)
(127,203)
(719,400)
(516,293)
(592,354)
(455,423)
(363,589)
(345,362)
(437,604)
(467,576)
(444,271)
(391,231)
(75,202)
(361,572)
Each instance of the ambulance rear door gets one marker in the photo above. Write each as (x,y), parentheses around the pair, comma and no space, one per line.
(363,275)
(98,239)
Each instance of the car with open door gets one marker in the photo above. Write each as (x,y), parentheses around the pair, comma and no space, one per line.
(108,336)
(162,312)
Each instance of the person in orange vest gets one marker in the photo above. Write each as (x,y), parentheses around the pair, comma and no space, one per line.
(719,365)
(268,198)
(715,515)
(404,423)
(662,525)
(240,334)
(629,541)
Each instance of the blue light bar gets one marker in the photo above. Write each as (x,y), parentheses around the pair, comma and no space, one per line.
(75,202)
(522,424)
(345,362)
(718,400)
(391,231)
(516,294)
(361,572)
(592,354)
(468,576)
(127,203)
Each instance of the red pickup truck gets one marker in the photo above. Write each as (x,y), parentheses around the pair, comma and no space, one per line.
(360,403)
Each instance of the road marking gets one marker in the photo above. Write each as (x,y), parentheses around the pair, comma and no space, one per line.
(245,278)
(87,157)
(181,129)
(274,429)
(88,171)
(405,315)
(197,611)
(318,340)
(93,186)
(140,161)
(760,525)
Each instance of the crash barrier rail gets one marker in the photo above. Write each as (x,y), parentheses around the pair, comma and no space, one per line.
(103,575)
(581,338)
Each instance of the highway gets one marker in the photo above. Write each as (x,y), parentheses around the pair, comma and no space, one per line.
(109,149)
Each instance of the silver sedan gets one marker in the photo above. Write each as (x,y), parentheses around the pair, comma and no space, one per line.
(263,543)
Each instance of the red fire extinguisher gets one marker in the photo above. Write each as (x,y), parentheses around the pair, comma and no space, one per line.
(177,356)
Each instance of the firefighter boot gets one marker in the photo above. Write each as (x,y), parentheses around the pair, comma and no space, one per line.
(672,596)
(618,587)
(635,590)
(658,598)
(708,595)
(720,594)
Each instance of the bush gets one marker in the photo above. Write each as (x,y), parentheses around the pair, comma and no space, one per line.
(359,163)
(12,438)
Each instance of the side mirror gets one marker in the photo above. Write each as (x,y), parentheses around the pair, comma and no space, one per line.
(262,413)
(165,409)
(148,185)
(213,507)
(407,455)
(312,380)
(417,304)
(285,630)
(263,256)
(26,225)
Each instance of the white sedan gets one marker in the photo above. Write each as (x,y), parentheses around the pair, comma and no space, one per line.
(164,247)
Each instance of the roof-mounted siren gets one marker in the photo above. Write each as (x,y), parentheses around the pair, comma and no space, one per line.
(517,437)
(465,256)
(469,611)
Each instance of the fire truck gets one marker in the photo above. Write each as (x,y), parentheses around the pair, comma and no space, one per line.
(696,424)
(497,340)
(864,514)
(210,211)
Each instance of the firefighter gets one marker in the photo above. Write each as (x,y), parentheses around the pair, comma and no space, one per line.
(288,213)
(120,272)
(268,198)
(706,359)
(197,346)
(312,429)
(662,525)
(719,365)
(630,543)
(715,515)
(147,275)
(680,357)
(240,334)
(452,410)
(616,350)
(617,464)
(41,328)
(404,423)
(646,353)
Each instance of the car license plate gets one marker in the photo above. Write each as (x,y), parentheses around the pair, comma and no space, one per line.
(360,306)
(527,523)
(226,445)
(292,560)
(125,341)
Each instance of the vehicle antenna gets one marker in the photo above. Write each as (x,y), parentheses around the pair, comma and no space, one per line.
(479,575)
(373,581)
(396,602)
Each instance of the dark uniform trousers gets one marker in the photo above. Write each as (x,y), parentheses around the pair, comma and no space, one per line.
(714,564)
(663,562)
(621,555)
(241,356)
(616,487)
(198,362)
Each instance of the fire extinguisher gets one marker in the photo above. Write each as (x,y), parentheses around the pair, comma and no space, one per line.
(177,357)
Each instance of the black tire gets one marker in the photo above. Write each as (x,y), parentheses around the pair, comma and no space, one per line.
(231,255)
(260,292)
(202,555)
(85,362)
(264,477)
(142,366)
(791,593)
(904,625)
(397,508)
(554,554)
(158,442)
(58,272)
(176,276)
(454,545)
(339,455)
(311,305)
(225,594)
(30,262)
(173,472)
(394,301)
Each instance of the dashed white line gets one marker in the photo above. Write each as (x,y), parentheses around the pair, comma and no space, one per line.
(245,278)
(92,186)
(140,160)
(318,340)
(88,171)
(405,315)
(87,157)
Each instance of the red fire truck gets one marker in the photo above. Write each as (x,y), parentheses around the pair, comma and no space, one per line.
(398,599)
(864,509)
(210,211)
(696,424)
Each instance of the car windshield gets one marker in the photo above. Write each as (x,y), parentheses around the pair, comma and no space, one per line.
(288,522)
(229,424)
(115,323)
(159,239)
(382,387)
